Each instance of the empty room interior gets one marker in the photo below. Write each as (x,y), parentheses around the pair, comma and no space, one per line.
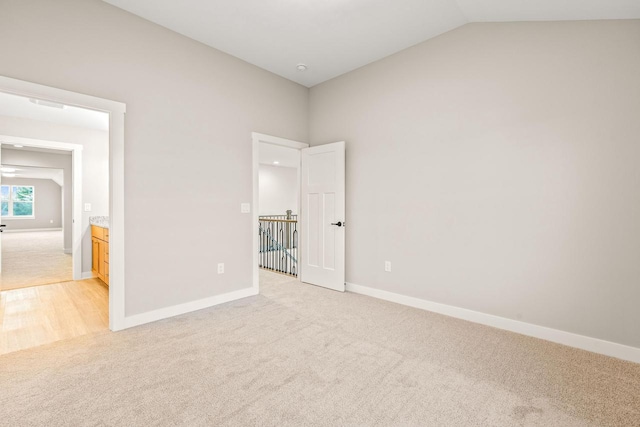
(344,212)
(50,290)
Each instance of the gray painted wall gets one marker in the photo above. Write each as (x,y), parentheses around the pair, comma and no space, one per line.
(496,167)
(190,113)
(47,207)
(278,189)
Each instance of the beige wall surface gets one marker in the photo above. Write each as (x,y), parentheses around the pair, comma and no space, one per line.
(190,113)
(496,167)
(47,205)
(278,190)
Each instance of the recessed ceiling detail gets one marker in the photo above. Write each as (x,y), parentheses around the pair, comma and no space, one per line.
(338,36)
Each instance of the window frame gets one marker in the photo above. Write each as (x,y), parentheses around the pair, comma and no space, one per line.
(10,203)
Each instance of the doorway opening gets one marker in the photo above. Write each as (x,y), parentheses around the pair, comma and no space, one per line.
(308,243)
(45,249)
(276,202)
(278,208)
(58,222)
(39,161)
(33,250)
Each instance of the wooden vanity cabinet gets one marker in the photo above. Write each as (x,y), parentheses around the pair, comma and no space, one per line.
(100,253)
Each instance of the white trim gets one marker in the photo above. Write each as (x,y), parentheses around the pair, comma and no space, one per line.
(26,230)
(274,140)
(87,275)
(68,250)
(582,342)
(116,112)
(39,143)
(47,93)
(256,139)
(76,211)
(116,221)
(13,218)
(188,307)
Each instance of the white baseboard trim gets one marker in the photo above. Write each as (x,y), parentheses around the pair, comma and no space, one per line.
(582,342)
(67,250)
(26,230)
(176,310)
(87,275)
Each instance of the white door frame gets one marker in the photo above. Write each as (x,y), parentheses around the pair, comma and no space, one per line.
(116,111)
(76,202)
(257,138)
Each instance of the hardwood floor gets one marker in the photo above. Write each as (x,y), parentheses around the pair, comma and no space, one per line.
(40,315)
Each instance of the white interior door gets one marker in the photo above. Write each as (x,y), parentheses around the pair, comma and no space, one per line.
(323,215)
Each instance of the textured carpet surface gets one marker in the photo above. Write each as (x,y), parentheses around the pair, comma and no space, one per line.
(33,258)
(298,355)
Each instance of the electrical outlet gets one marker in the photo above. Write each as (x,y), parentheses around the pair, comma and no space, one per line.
(387,266)
(245,207)
(220,268)
(50,221)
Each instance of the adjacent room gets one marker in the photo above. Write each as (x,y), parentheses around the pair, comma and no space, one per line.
(334,213)
(33,251)
(49,286)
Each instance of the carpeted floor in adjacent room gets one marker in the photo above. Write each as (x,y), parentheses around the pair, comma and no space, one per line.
(34,258)
(298,355)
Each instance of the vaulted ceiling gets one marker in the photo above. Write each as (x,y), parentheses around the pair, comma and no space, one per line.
(332,37)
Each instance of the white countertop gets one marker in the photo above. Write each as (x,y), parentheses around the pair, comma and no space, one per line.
(99,221)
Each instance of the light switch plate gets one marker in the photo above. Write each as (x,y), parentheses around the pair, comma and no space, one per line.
(87,207)
(245,207)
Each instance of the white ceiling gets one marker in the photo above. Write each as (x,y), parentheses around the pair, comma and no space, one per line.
(18,106)
(57,175)
(286,157)
(333,37)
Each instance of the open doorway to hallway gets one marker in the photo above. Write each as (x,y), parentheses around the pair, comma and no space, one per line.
(278,208)
(55,183)
(319,243)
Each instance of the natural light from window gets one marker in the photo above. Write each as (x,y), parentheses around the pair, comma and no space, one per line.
(17,201)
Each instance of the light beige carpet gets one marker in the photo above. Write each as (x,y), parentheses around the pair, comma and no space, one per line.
(298,355)
(33,258)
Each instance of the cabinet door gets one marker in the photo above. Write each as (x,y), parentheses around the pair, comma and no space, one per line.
(106,262)
(95,258)
(101,259)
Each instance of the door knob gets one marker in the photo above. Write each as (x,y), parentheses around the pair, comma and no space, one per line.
(339,223)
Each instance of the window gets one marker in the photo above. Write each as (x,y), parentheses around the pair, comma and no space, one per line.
(17,201)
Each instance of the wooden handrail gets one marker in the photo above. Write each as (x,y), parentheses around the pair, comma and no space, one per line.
(278,220)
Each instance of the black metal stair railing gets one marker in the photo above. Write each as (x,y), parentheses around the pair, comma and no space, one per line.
(278,244)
